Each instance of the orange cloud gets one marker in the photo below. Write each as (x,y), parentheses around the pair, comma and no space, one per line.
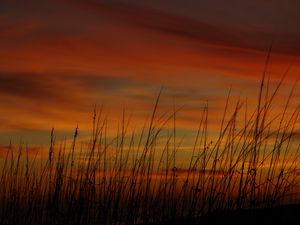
(8,152)
(55,66)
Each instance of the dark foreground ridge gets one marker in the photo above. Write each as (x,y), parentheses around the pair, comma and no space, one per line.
(285,214)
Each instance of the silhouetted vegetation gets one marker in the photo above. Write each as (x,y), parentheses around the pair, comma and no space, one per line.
(134,178)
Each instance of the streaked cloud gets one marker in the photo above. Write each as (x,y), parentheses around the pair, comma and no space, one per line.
(13,151)
(60,58)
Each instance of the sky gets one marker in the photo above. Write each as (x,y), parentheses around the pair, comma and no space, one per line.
(60,58)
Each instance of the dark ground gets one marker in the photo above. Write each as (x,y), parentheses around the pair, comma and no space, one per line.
(287,214)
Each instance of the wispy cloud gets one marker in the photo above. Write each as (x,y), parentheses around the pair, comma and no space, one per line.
(193,29)
(12,151)
(60,58)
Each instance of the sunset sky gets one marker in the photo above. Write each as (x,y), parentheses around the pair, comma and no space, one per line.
(60,58)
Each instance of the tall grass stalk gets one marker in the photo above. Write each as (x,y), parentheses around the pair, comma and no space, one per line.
(136,177)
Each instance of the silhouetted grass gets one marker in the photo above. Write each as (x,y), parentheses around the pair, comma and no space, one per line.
(133,178)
